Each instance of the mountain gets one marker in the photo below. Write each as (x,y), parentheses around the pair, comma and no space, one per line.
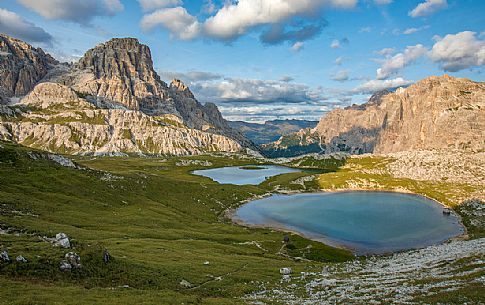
(434,113)
(270,131)
(111,101)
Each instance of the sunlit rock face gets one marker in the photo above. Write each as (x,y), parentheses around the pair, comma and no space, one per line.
(21,66)
(434,113)
(111,101)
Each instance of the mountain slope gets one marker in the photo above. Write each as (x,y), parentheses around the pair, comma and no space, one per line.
(111,101)
(271,130)
(434,113)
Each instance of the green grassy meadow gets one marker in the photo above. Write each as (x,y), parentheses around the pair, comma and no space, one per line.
(159,223)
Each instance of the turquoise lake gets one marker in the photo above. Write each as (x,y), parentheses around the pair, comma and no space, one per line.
(238,175)
(364,222)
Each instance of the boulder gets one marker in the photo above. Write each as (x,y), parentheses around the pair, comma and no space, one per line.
(21,259)
(65,266)
(74,260)
(185,284)
(62,240)
(286,271)
(4,256)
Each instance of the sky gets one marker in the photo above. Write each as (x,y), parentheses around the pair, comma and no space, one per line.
(260,60)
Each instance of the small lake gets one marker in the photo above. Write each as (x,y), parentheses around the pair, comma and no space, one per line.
(364,222)
(247,174)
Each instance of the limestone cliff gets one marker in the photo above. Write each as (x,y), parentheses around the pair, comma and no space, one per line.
(111,101)
(434,113)
(21,66)
(64,122)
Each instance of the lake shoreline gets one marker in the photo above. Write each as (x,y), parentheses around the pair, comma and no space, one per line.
(231,214)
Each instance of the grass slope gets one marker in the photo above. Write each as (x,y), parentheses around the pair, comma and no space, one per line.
(159,222)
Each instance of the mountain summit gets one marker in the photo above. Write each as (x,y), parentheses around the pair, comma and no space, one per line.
(434,113)
(113,100)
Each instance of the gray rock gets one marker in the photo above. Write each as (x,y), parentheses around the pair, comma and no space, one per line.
(62,240)
(439,112)
(74,260)
(4,256)
(65,266)
(21,259)
(286,271)
(185,284)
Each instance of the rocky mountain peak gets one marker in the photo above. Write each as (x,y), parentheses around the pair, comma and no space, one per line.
(179,87)
(120,57)
(21,66)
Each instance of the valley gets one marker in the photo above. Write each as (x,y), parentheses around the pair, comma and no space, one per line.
(170,242)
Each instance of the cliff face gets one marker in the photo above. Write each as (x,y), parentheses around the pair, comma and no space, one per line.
(111,101)
(435,113)
(21,66)
(66,123)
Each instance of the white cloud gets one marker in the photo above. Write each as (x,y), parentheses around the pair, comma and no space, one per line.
(378,85)
(209,7)
(400,60)
(459,51)
(410,31)
(148,5)
(236,18)
(287,78)
(339,60)
(382,2)
(14,25)
(386,52)
(366,29)
(335,44)
(191,76)
(341,76)
(428,7)
(177,20)
(297,46)
(73,10)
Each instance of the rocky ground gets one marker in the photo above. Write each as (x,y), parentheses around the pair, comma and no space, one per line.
(396,279)
(445,165)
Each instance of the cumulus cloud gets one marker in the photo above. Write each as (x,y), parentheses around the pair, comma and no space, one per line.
(459,51)
(177,20)
(339,60)
(237,18)
(428,7)
(399,61)
(14,25)
(281,20)
(73,10)
(378,85)
(341,76)
(148,5)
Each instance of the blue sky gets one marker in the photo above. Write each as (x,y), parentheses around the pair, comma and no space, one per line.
(266,59)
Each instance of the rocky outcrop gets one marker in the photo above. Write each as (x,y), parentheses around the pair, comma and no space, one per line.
(435,113)
(111,101)
(21,66)
(70,124)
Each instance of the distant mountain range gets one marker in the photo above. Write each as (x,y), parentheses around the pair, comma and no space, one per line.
(111,101)
(434,113)
(270,131)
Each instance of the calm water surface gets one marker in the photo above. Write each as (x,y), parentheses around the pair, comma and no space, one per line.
(365,222)
(240,176)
